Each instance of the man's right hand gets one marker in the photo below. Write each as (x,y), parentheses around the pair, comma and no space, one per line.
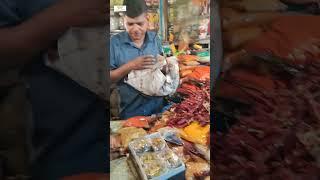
(141,62)
(84,12)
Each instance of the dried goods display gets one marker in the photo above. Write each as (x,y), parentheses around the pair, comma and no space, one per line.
(159,162)
(266,102)
(181,76)
(266,139)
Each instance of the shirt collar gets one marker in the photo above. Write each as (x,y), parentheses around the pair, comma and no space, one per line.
(148,38)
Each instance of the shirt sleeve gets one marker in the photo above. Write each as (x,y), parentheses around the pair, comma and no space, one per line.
(159,45)
(113,44)
(8,15)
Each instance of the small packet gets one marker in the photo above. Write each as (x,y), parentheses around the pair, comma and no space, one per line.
(171,159)
(154,169)
(141,145)
(148,157)
(158,144)
(171,135)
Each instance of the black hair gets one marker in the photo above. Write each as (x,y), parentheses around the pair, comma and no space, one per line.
(135,8)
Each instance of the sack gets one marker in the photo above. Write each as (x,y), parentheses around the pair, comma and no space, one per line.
(153,82)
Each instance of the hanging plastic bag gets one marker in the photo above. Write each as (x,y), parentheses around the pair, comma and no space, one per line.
(154,82)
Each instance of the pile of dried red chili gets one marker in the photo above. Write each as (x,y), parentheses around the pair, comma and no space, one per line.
(193,107)
(271,141)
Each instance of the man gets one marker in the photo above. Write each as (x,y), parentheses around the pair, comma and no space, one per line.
(68,120)
(134,50)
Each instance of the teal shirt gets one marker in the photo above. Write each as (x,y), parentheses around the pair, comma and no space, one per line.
(122,50)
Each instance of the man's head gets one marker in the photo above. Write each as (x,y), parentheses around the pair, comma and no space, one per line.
(135,20)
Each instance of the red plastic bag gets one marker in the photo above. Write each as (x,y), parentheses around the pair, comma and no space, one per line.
(137,121)
(201,73)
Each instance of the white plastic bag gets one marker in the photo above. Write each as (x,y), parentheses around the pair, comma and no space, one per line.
(154,82)
(83,56)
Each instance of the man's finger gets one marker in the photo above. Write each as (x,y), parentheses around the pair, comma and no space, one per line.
(148,56)
(148,63)
(147,67)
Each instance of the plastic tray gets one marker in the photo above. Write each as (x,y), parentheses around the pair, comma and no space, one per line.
(167,175)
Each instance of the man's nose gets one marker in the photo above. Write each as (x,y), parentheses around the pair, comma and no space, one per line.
(136,26)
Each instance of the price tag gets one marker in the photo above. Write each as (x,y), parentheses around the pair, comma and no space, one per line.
(120,8)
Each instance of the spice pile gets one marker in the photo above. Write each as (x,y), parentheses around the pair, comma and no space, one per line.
(278,137)
(195,107)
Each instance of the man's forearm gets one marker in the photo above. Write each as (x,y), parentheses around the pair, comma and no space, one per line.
(19,44)
(117,74)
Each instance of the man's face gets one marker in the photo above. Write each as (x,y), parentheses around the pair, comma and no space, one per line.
(136,27)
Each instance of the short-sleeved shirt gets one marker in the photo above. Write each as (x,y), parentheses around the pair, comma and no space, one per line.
(123,50)
(68,118)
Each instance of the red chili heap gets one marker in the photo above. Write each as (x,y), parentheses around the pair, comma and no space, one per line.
(193,108)
(279,137)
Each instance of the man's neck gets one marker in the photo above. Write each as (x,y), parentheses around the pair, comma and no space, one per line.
(140,42)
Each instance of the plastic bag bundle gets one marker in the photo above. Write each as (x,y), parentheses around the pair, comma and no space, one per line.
(155,82)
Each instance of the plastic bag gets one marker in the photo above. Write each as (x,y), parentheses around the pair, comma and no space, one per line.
(171,135)
(138,121)
(153,82)
(196,133)
(201,73)
(82,58)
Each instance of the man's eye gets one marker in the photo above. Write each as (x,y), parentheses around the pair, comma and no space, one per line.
(130,24)
(140,24)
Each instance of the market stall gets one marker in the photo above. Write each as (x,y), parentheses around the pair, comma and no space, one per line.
(175,143)
(267,99)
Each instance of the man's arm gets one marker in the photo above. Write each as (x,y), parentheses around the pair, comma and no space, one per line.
(117,74)
(19,44)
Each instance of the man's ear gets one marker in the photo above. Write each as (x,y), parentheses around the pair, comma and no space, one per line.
(125,22)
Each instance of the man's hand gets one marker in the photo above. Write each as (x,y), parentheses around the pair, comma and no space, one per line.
(141,62)
(39,32)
